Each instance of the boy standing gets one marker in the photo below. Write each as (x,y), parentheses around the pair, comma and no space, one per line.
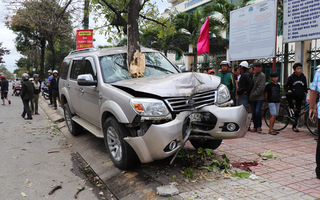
(272,97)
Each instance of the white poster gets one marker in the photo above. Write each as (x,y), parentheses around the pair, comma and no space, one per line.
(253,31)
(301,20)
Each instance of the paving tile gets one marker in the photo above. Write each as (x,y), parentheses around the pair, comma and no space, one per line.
(315,192)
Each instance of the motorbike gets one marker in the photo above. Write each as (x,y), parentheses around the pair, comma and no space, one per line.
(17,90)
(45,92)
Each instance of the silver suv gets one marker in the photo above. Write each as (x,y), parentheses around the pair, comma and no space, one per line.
(146,118)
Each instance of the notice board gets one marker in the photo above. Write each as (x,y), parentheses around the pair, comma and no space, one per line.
(253,31)
(301,19)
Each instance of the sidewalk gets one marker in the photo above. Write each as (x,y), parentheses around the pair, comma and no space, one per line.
(35,156)
(295,165)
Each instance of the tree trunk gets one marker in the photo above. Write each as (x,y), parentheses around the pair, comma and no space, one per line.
(42,49)
(86,14)
(285,62)
(53,52)
(133,42)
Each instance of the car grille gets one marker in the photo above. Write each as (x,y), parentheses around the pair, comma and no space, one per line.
(178,104)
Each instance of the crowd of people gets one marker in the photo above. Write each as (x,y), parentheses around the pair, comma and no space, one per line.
(30,92)
(247,87)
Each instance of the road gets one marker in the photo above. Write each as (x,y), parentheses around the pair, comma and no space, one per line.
(35,157)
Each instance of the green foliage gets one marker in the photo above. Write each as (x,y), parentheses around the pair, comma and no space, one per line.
(241,174)
(268,154)
(6,72)
(188,173)
(114,17)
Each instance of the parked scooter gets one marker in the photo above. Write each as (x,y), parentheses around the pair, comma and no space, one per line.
(45,92)
(17,89)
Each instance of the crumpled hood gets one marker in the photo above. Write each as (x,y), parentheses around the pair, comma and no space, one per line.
(181,84)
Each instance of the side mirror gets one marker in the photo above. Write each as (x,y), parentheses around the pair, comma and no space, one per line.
(86,80)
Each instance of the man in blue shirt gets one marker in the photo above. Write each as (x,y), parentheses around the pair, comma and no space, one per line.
(48,84)
(315,89)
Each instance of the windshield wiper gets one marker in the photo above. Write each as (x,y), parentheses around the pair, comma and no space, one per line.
(160,68)
(123,67)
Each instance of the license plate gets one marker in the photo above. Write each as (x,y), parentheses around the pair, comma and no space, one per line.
(195,117)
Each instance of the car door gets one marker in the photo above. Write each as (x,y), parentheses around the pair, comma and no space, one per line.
(89,99)
(77,68)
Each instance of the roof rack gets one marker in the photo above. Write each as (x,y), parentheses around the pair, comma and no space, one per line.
(82,50)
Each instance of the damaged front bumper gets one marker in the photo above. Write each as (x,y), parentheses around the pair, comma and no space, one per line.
(163,140)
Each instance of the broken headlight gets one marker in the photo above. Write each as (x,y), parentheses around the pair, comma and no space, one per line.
(223,94)
(149,107)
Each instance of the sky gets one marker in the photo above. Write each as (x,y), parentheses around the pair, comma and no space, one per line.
(8,37)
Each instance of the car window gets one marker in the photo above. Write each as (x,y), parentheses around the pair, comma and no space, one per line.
(64,68)
(90,70)
(114,67)
(76,69)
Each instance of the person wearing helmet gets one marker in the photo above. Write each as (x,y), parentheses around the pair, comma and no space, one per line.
(26,95)
(48,85)
(226,77)
(257,97)
(211,71)
(4,90)
(34,104)
(245,85)
(54,85)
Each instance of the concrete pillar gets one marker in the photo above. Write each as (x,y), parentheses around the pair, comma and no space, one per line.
(302,55)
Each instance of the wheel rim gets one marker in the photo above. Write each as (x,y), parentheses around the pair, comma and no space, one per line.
(68,120)
(114,143)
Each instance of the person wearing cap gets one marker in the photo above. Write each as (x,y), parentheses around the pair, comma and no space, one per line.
(245,85)
(315,110)
(296,88)
(211,71)
(251,70)
(4,90)
(54,85)
(256,97)
(226,77)
(272,97)
(48,85)
(27,91)
(34,104)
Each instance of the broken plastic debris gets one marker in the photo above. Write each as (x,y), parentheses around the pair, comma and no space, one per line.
(253,177)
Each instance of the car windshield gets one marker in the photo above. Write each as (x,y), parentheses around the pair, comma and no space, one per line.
(114,67)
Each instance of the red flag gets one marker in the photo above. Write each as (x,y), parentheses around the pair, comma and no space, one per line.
(203,41)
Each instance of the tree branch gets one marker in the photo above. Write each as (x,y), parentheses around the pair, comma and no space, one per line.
(153,20)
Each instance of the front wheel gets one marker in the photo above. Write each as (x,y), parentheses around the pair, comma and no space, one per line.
(312,126)
(74,127)
(120,152)
(282,119)
(206,144)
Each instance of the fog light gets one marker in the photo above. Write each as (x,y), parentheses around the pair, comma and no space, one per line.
(172,145)
(231,126)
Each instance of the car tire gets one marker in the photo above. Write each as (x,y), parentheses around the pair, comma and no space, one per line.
(120,152)
(74,128)
(210,144)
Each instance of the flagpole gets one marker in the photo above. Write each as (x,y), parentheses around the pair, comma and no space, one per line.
(275,48)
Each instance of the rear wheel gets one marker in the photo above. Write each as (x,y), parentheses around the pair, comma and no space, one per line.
(210,144)
(312,126)
(74,128)
(120,152)
(282,119)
